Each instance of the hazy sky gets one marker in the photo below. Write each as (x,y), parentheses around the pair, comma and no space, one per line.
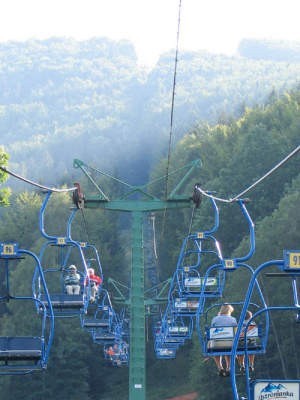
(214,25)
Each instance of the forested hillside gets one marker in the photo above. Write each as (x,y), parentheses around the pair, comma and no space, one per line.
(235,154)
(240,130)
(62,99)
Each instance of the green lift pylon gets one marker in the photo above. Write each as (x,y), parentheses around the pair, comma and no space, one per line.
(137,207)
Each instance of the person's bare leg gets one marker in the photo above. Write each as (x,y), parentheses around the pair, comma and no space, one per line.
(251,362)
(218,361)
(241,359)
(227,362)
(219,364)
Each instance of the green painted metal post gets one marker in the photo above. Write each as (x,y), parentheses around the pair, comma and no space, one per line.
(137,208)
(137,372)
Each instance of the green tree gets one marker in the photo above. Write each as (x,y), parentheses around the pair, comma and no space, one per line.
(4,192)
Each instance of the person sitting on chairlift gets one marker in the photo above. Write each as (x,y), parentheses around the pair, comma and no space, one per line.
(95,282)
(241,358)
(72,280)
(110,352)
(224,318)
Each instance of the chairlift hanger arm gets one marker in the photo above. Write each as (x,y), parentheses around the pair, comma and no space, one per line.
(69,224)
(217,219)
(42,220)
(246,214)
(42,217)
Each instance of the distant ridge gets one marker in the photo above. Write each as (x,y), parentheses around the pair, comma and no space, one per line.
(273,50)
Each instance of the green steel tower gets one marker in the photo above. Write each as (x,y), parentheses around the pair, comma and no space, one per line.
(137,202)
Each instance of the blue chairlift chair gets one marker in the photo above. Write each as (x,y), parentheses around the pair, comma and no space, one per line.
(62,251)
(24,350)
(99,314)
(117,354)
(228,265)
(288,270)
(218,341)
(199,250)
(103,336)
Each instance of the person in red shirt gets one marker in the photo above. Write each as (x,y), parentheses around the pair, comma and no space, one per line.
(110,352)
(95,281)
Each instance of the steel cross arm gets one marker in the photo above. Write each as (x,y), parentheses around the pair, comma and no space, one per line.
(155,301)
(137,205)
(142,189)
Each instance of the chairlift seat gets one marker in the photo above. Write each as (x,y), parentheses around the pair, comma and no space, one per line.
(165,353)
(173,343)
(184,306)
(178,330)
(20,348)
(194,284)
(220,338)
(104,337)
(61,301)
(95,323)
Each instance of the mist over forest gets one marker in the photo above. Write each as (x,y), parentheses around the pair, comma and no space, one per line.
(63,99)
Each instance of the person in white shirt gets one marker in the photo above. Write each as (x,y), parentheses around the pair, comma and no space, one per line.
(223,319)
(72,280)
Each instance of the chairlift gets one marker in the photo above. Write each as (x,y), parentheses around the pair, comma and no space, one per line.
(288,268)
(62,251)
(103,336)
(23,351)
(198,251)
(164,352)
(178,327)
(218,340)
(117,354)
(99,314)
(228,265)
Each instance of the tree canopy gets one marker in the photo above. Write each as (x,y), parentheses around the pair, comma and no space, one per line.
(4,192)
